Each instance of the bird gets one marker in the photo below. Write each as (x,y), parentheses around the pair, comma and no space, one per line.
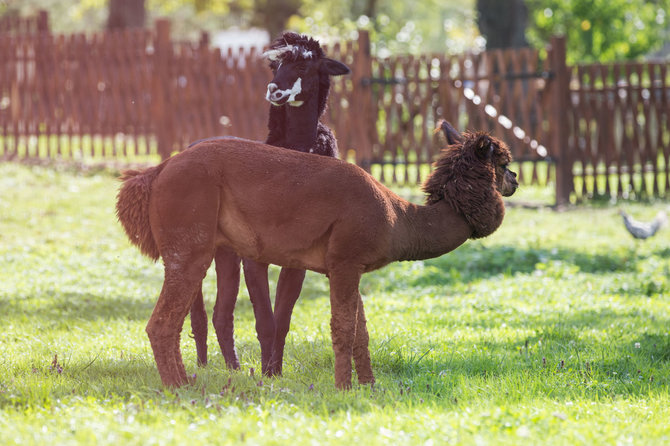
(643,230)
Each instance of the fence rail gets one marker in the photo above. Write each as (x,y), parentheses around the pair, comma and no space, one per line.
(590,130)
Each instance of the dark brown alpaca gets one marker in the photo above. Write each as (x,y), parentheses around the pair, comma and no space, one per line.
(298,93)
(243,194)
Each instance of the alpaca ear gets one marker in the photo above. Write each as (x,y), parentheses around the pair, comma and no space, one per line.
(483,147)
(450,133)
(333,67)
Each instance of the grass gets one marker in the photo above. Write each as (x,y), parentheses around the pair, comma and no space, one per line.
(552,331)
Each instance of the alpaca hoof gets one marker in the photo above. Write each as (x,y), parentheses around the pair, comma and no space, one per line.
(201,357)
(346,385)
(273,371)
(175,382)
(367,380)
(233,365)
(231,361)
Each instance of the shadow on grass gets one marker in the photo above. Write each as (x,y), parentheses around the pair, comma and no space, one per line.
(477,261)
(606,369)
(472,262)
(78,306)
(603,368)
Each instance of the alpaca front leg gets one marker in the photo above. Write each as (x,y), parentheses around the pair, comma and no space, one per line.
(344,298)
(256,278)
(288,290)
(361,348)
(199,327)
(227,287)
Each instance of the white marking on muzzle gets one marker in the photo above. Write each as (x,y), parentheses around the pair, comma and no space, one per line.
(276,95)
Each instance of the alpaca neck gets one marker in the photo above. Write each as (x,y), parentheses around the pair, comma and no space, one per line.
(424,232)
(301,124)
(294,127)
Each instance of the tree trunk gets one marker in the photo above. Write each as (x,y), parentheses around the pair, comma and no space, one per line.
(371,8)
(503,24)
(273,15)
(126,14)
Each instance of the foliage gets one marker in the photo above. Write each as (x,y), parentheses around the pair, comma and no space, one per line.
(552,331)
(396,27)
(427,26)
(600,30)
(597,30)
(67,16)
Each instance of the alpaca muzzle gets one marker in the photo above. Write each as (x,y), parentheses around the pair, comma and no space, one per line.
(510,184)
(278,96)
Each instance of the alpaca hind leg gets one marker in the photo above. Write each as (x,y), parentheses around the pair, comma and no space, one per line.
(164,327)
(256,278)
(184,212)
(199,327)
(227,285)
(361,349)
(288,290)
(344,298)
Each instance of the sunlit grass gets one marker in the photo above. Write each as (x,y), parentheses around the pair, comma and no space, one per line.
(552,331)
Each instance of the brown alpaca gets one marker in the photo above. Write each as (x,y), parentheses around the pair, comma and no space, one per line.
(246,195)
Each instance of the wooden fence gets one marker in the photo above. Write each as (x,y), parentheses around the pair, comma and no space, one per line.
(497,91)
(619,130)
(122,94)
(138,95)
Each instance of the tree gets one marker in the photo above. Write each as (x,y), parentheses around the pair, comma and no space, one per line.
(273,15)
(600,30)
(426,26)
(503,24)
(126,14)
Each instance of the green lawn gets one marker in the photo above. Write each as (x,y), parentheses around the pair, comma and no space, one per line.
(552,331)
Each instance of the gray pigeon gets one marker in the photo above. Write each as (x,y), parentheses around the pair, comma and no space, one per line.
(643,230)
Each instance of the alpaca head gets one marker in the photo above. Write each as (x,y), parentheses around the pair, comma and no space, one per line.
(494,152)
(473,152)
(301,71)
(472,175)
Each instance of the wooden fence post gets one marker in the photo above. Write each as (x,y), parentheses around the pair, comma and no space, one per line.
(42,21)
(363,115)
(558,121)
(160,110)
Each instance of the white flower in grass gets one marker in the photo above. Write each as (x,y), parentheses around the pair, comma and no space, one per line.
(637,345)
